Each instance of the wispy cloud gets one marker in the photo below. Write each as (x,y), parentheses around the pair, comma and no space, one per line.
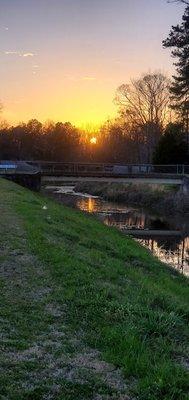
(19,54)
(16,53)
(28,55)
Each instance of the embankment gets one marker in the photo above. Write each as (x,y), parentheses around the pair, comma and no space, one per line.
(159,198)
(86,313)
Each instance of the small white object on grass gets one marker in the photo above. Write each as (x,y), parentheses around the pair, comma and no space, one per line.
(44,207)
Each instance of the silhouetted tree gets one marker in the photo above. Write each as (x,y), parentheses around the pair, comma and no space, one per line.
(144,108)
(178,40)
(33,141)
(145,100)
(171,148)
(63,142)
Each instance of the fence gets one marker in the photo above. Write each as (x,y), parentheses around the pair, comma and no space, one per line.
(101,169)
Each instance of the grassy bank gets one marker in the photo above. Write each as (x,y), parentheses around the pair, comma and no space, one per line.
(159,198)
(86,313)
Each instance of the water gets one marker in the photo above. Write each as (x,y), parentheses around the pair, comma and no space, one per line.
(166,238)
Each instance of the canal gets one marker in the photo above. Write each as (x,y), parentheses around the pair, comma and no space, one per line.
(167,238)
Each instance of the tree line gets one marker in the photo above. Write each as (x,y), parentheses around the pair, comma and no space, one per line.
(152,123)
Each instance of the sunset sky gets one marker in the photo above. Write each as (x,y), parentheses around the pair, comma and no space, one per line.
(63,59)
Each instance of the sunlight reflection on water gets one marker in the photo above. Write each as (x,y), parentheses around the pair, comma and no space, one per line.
(171,250)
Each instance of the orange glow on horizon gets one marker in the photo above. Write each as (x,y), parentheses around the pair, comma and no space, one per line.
(92,109)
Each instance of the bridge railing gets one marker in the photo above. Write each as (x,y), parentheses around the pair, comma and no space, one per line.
(101,169)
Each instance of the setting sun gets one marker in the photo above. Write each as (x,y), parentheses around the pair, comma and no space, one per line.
(93,140)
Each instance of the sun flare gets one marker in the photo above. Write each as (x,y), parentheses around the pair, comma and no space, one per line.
(93,140)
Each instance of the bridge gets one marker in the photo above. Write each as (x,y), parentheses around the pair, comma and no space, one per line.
(64,173)
(22,173)
(108,169)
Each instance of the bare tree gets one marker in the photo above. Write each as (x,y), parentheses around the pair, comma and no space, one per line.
(144,109)
(145,100)
(179,1)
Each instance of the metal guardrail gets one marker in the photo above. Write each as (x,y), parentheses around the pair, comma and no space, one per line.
(90,169)
(101,169)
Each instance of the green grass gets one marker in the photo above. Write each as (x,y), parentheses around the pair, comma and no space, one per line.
(113,296)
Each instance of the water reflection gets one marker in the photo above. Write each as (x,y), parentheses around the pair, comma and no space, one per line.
(171,249)
(175,254)
(89,205)
(135,219)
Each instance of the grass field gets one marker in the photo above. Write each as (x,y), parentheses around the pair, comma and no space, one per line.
(85,312)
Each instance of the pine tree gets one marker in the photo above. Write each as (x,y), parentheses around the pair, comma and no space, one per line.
(171,148)
(178,40)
